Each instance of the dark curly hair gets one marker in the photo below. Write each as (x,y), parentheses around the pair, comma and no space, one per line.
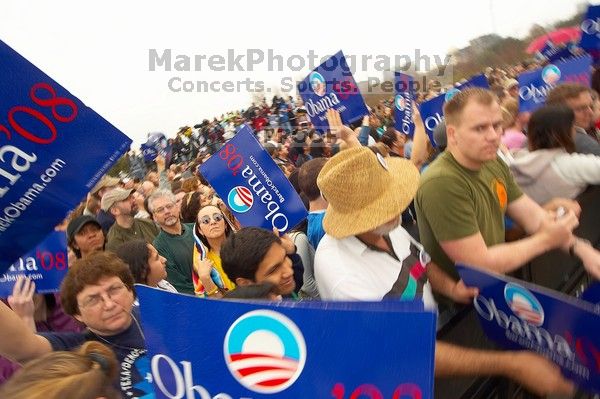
(89,271)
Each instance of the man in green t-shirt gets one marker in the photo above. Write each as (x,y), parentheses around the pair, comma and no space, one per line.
(121,204)
(175,241)
(464,195)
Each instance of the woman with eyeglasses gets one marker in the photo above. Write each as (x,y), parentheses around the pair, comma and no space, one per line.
(210,232)
(145,263)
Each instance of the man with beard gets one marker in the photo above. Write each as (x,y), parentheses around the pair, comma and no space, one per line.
(121,204)
(175,241)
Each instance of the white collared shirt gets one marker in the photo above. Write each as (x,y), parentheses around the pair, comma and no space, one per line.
(346,269)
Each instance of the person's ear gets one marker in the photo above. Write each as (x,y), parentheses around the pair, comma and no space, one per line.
(132,293)
(451,134)
(243,282)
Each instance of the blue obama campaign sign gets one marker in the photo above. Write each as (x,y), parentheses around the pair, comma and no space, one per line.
(156,145)
(553,53)
(592,294)
(331,85)
(534,86)
(54,150)
(521,315)
(287,349)
(590,29)
(590,32)
(46,266)
(403,103)
(149,151)
(252,185)
(432,111)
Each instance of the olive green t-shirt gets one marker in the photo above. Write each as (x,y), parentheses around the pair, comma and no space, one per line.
(454,202)
(140,230)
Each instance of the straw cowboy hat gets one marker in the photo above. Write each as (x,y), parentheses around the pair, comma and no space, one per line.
(365,190)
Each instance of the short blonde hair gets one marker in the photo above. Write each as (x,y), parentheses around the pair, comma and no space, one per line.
(454,107)
(510,112)
(86,373)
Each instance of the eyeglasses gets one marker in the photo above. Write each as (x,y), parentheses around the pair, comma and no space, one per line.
(167,207)
(217,217)
(93,301)
(584,107)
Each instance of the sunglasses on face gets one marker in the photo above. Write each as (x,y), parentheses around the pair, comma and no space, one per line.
(217,217)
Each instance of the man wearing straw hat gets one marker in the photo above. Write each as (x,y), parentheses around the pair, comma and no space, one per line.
(367,255)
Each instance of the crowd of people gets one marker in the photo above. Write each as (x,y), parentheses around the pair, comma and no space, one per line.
(388,218)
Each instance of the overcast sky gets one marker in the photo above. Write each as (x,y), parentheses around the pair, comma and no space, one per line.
(100,51)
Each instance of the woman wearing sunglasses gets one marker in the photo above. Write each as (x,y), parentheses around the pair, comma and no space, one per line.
(210,232)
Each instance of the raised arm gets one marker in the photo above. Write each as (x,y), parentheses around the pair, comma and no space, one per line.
(17,341)
(341,131)
(419,152)
(21,301)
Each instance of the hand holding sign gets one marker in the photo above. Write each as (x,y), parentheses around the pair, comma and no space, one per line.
(286,242)
(341,131)
(463,294)
(417,115)
(21,300)
(204,268)
(331,85)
